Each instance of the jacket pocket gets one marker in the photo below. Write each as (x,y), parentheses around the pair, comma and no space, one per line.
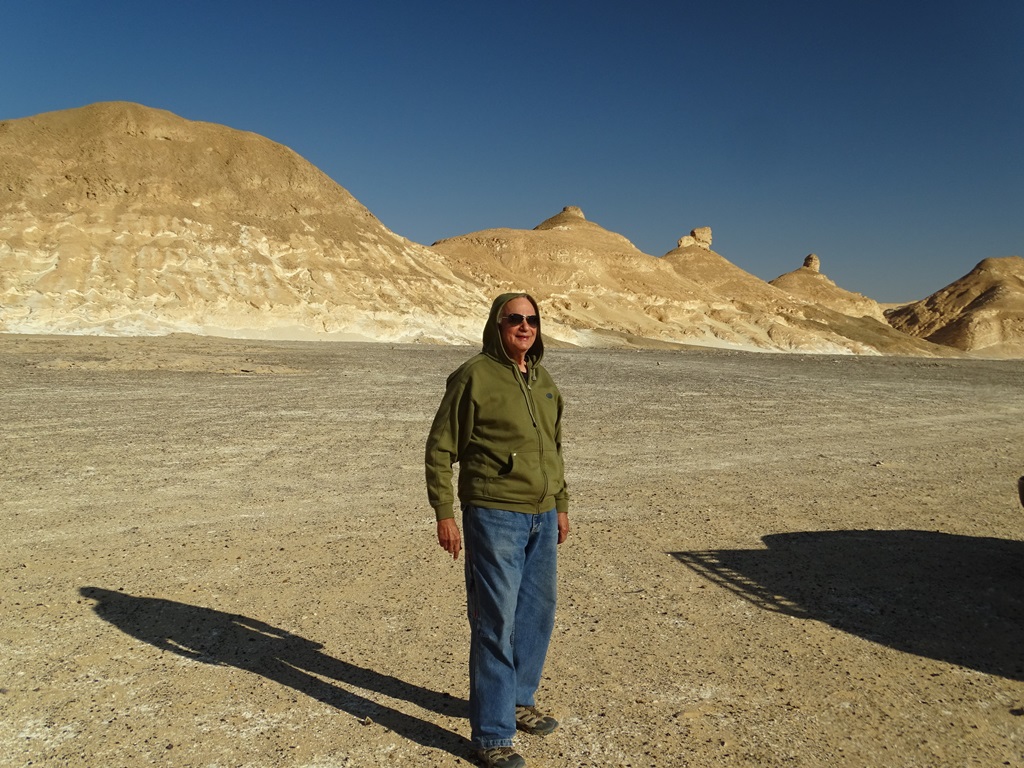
(520,478)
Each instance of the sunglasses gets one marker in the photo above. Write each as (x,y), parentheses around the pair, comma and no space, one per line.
(514,319)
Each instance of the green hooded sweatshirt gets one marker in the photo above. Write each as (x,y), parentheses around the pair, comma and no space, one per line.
(503,427)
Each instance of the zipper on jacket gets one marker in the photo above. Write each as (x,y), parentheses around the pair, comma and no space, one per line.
(528,394)
(524,386)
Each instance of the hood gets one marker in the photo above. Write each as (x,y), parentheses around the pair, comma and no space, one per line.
(492,332)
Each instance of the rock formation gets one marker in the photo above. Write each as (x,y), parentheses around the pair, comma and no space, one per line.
(120,219)
(809,284)
(701,237)
(599,289)
(982,312)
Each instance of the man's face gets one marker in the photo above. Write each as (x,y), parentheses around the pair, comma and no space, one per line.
(517,339)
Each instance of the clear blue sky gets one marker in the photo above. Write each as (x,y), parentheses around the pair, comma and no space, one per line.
(887,137)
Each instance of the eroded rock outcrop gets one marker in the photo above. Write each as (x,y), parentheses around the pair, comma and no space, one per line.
(700,237)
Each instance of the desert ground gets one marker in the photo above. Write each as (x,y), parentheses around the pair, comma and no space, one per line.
(219,553)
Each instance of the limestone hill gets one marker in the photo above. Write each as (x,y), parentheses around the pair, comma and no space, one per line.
(605,291)
(808,283)
(120,219)
(982,312)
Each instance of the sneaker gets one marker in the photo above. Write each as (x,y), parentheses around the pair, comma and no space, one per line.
(533,721)
(500,757)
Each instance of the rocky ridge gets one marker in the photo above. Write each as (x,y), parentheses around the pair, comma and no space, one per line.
(120,219)
(603,291)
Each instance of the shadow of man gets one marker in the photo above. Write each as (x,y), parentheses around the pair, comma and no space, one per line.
(214,637)
(953,598)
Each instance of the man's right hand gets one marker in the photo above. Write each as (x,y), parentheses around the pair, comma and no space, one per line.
(448,537)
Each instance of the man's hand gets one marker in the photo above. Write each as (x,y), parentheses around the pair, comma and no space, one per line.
(450,539)
(563,526)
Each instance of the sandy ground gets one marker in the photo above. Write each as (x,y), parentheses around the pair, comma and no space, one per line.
(219,553)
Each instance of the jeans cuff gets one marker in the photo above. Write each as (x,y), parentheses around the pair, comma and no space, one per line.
(492,743)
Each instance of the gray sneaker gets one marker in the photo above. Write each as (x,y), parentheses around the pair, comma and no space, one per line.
(532,720)
(500,757)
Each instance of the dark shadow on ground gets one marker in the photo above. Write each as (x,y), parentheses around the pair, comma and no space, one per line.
(215,637)
(958,599)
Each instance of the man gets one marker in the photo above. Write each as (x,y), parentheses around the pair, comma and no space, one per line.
(501,420)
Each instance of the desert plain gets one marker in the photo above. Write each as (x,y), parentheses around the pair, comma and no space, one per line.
(219,553)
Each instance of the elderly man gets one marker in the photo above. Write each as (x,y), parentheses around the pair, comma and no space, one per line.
(501,420)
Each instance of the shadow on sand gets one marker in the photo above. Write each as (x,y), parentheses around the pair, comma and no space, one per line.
(215,637)
(958,599)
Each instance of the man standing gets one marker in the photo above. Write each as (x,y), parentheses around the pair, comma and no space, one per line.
(501,420)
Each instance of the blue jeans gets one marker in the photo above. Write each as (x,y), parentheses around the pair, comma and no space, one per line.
(511,570)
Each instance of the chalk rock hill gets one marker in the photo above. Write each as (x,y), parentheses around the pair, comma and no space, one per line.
(602,290)
(982,312)
(808,283)
(120,219)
